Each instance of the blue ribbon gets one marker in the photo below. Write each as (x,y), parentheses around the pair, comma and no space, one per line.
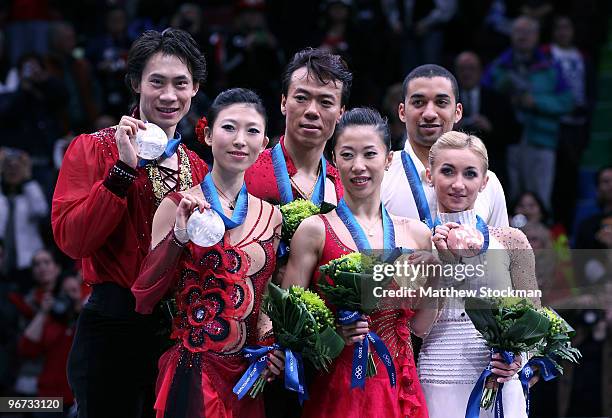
(473,405)
(414,180)
(284,184)
(171,148)
(294,374)
(345,214)
(212,197)
(547,371)
(360,352)
(258,357)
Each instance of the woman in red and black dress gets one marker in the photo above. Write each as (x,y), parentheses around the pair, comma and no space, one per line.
(218,289)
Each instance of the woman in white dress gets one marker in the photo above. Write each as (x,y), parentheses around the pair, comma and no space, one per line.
(453,355)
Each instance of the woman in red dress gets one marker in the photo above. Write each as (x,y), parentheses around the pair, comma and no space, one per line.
(217,289)
(362,153)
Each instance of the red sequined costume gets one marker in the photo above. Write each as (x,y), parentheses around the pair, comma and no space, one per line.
(261,181)
(331,394)
(218,304)
(105,219)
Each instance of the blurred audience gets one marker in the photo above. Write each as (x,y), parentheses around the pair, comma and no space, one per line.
(574,130)
(22,206)
(540,97)
(486,113)
(67,62)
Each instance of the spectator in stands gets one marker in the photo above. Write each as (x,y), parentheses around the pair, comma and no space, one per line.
(49,335)
(108,56)
(22,206)
(486,113)
(32,117)
(540,97)
(67,63)
(591,234)
(9,78)
(420,26)
(575,126)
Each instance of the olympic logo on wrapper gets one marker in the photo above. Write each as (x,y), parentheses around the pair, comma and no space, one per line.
(387,360)
(358,372)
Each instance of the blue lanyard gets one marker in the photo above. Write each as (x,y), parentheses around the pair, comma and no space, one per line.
(345,214)
(414,180)
(212,197)
(284,184)
(171,148)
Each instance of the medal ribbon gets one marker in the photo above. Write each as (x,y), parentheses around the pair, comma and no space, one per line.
(345,214)
(212,197)
(414,180)
(171,148)
(284,184)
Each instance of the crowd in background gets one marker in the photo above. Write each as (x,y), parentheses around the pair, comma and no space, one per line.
(62,67)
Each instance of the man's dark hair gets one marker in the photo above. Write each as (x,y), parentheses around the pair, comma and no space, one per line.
(171,41)
(430,71)
(235,96)
(324,66)
(363,116)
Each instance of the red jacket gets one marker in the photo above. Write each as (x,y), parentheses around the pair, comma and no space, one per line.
(110,233)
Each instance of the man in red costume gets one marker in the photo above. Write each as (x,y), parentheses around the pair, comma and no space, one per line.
(103,207)
(315,90)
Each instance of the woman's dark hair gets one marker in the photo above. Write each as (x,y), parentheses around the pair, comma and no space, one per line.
(544,213)
(364,116)
(235,96)
(176,42)
(324,66)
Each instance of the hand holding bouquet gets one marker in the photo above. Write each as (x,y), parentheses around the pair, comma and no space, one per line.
(303,328)
(509,326)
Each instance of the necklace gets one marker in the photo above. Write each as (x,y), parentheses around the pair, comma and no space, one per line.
(230,202)
(300,191)
(370,229)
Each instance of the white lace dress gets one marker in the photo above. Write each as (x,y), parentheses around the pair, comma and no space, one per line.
(453,354)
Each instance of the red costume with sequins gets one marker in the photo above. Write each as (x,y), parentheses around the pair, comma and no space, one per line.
(331,394)
(94,220)
(218,306)
(261,181)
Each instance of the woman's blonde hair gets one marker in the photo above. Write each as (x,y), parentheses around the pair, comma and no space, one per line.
(459,140)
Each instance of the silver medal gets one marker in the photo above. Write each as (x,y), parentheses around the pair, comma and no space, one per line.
(151,142)
(205,228)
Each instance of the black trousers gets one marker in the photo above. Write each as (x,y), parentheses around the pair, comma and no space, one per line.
(113,361)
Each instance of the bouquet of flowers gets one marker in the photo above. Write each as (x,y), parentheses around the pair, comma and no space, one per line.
(509,326)
(557,343)
(293,214)
(304,328)
(342,283)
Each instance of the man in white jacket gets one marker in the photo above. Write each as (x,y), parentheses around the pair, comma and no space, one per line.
(429,108)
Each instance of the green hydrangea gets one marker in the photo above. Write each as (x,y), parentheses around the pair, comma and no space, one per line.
(294,213)
(314,304)
(353,263)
